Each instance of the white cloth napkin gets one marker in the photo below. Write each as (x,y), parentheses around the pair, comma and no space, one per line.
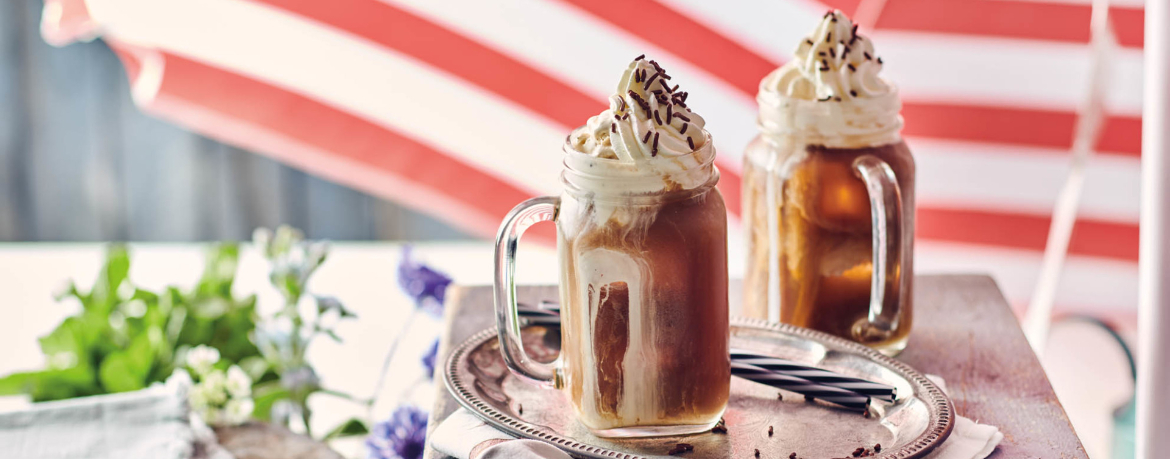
(969,439)
(462,432)
(152,423)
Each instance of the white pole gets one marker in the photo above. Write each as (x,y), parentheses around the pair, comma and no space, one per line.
(1153,398)
(1064,215)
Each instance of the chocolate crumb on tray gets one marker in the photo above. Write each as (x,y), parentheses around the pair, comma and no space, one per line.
(757,452)
(877,448)
(720,427)
(680,449)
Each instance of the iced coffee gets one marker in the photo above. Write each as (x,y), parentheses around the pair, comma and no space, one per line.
(829,194)
(642,241)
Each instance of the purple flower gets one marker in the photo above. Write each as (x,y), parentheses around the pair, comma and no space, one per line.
(428,359)
(425,285)
(403,436)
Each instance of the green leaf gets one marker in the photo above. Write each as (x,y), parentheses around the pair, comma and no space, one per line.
(219,272)
(352,427)
(329,303)
(105,291)
(119,374)
(255,366)
(17,383)
(264,395)
(48,385)
(117,266)
(129,369)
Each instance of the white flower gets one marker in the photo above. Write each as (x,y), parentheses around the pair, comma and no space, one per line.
(214,387)
(238,383)
(238,410)
(211,416)
(202,359)
(197,398)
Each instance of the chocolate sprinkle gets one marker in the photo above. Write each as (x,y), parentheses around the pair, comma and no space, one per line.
(757,452)
(643,56)
(829,37)
(669,113)
(691,143)
(666,86)
(683,130)
(832,52)
(877,448)
(837,99)
(858,452)
(810,42)
(613,128)
(770,431)
(682,117)
(867,56)
(853,93)
(651,80)
(852,68)
(825,99)
(657,119)
(854,31)
(646,137)
(654,151)
(822,53)
(720,427)
(641,102)
(879,60)
(519,409)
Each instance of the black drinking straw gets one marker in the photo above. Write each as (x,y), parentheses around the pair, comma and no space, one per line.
(824,392)
(818,375)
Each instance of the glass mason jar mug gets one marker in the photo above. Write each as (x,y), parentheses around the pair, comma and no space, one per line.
(643,269)
(830,224)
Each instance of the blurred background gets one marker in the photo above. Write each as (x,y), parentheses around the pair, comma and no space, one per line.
(412,120)
(79,162)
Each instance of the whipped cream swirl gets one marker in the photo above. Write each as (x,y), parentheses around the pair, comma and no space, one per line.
(647,118)
(831,93)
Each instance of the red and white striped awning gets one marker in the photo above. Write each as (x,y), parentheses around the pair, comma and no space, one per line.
(459,108)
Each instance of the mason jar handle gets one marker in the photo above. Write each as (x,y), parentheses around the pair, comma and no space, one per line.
(521,217)
(885,203)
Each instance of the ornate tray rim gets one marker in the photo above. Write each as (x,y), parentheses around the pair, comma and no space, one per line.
(939,405)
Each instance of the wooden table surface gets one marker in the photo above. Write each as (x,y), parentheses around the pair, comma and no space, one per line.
(963,331)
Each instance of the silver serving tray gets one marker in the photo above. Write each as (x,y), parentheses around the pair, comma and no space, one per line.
(915,423)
